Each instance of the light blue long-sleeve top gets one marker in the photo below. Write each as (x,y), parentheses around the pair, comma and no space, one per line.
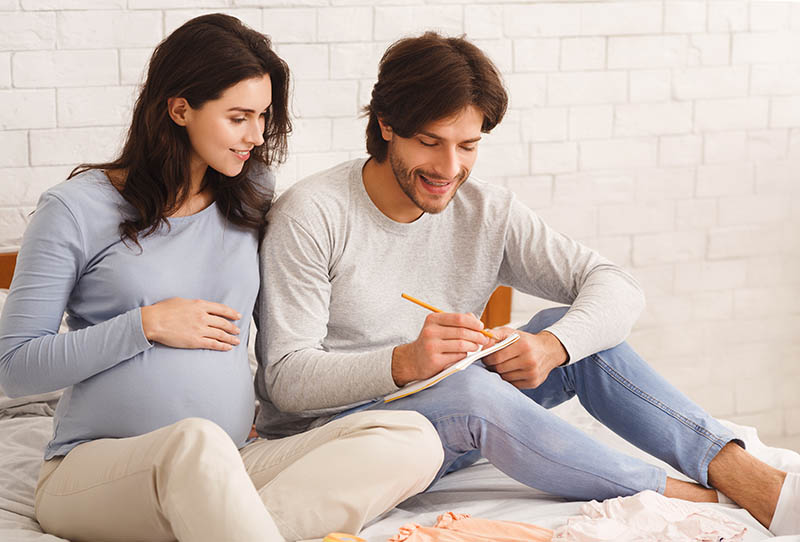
(119,384)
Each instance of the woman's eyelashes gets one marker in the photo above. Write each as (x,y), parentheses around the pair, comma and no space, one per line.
(238,120)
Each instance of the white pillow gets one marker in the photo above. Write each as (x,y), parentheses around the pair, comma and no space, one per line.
(7,402)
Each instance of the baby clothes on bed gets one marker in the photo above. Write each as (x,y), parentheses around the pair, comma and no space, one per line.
(452,527)
(649,517)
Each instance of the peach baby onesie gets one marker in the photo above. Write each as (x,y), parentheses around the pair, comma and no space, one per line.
(451,527)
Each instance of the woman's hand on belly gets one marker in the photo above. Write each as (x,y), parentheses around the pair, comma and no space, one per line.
(191,323)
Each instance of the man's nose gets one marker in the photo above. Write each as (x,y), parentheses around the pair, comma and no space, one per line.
(448,164)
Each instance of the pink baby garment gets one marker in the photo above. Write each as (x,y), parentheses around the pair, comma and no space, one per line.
(451,527)
(649,517)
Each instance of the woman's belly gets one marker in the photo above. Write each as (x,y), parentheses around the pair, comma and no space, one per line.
(157,388)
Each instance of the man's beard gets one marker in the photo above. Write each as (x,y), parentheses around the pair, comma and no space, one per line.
(405,179)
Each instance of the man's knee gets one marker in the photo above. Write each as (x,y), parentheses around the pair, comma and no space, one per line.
(544,318)
(481,393)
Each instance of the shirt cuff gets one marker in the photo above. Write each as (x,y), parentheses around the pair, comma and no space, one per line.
(572,347)
(386,380)
(137,330)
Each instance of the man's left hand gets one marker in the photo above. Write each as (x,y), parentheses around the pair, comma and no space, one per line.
(528,362)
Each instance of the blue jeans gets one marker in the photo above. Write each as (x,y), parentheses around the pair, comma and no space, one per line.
(476,413)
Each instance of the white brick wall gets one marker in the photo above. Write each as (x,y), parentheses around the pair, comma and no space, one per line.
(45,69)
(664,133)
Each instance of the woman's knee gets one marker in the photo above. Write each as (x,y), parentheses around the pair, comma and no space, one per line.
(408,443)
(197,429)
(421,448)
(199,440)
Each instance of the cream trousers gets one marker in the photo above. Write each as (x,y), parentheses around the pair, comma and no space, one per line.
(187,481)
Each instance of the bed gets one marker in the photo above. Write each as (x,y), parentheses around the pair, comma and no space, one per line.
(480,490)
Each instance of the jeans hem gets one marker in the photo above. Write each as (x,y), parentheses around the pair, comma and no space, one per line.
(715,442)
(662,483)
(711,453)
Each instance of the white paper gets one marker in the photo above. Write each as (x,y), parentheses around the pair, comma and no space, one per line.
(419,385)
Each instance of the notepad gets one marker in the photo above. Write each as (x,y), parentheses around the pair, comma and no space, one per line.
(419,385)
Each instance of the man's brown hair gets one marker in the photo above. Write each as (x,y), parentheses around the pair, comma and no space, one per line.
(428,78)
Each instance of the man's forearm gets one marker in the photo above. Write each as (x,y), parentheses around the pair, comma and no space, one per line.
(311,379)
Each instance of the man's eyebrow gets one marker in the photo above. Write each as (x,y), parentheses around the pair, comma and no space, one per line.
(434,136)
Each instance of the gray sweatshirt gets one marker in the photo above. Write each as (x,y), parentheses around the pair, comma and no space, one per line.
(333,267)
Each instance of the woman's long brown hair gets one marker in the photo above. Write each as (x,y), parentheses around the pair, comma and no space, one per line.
(198,62)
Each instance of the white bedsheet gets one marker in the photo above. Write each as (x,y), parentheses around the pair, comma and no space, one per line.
(22,441)
(480,490)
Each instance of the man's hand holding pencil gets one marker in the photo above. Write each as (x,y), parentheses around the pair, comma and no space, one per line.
(445,338)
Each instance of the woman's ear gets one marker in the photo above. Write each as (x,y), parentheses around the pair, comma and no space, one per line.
(178,109)
(386,130)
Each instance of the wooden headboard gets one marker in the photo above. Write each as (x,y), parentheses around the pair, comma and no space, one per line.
(498,310)
(497,313)
(7,262)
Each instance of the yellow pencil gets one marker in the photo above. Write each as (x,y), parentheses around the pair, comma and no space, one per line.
(434,309)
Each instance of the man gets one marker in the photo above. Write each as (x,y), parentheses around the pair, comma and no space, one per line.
(343,244)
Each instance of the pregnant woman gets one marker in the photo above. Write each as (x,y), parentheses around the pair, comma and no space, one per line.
(153,257)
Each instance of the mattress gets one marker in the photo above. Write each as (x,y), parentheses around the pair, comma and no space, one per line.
(479,490)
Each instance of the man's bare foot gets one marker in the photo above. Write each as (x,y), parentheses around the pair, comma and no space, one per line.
(689,491)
